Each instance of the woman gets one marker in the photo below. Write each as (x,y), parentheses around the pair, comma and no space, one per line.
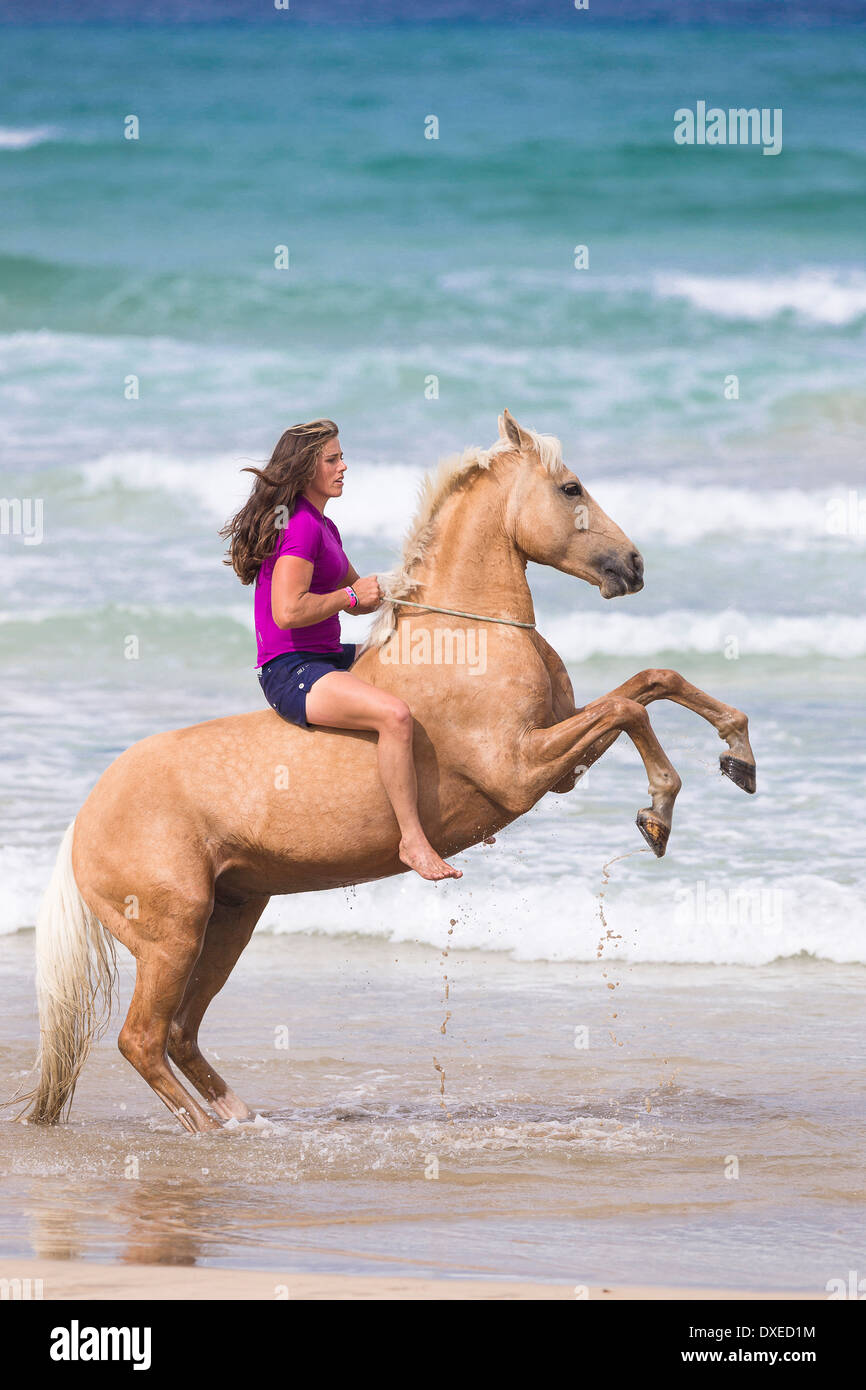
(282,540)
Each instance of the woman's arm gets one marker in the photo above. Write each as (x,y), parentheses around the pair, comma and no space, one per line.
(368,589)
(292,604)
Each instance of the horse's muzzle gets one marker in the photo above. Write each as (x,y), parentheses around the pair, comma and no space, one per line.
(619,576)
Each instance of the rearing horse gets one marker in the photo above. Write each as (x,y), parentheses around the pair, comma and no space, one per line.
(187,834)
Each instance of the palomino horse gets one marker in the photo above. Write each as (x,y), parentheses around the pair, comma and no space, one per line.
(187,834)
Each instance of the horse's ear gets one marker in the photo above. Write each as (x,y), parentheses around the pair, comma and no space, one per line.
(510,430)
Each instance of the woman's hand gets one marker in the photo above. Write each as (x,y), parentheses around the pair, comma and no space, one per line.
(369,593)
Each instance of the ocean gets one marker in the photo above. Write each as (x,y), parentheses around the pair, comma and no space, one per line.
(704,372)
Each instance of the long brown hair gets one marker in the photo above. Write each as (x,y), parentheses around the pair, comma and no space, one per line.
(291,468)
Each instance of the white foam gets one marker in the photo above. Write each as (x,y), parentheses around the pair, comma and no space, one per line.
(555,918)
(379,503)
(518,898)
(380,498)
(681,514)
(24,874)
(579,638)
(823,295)
(25,139)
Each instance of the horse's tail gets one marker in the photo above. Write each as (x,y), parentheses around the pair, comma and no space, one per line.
(76,970)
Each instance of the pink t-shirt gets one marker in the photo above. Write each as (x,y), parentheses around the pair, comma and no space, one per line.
(313,537)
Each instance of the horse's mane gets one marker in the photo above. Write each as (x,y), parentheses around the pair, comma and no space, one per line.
(451,474)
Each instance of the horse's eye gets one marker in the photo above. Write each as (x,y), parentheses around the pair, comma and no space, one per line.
(572,489)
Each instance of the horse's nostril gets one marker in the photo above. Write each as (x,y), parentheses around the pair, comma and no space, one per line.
(637,562)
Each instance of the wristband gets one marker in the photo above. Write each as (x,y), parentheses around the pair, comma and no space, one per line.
(352,595)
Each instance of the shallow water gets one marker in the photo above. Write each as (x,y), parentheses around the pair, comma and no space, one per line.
(455,258)
(604,1163)
(738,960)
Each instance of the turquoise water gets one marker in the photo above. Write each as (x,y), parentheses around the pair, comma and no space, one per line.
(452,257)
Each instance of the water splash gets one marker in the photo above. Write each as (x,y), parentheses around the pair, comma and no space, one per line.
(443,1027)
(607,934)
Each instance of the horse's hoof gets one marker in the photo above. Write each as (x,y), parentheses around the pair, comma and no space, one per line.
(741,774)
(654,831)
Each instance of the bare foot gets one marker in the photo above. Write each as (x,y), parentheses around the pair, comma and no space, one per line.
(422,857)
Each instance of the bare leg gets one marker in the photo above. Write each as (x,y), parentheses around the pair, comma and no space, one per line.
(340,700)
(228,932)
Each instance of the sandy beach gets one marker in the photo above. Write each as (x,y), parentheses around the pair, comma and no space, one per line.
(75,1280)
(410,1148)
(580,1067)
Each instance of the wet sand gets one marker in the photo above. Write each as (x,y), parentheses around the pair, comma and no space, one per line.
(76,1280)
(544,1126)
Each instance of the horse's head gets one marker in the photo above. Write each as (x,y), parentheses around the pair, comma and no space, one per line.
(555,522)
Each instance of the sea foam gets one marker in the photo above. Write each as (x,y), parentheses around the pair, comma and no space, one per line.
(381,498)
(823,295)
(25,138)
(536,915)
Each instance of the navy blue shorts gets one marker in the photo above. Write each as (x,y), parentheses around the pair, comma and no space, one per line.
(286,679)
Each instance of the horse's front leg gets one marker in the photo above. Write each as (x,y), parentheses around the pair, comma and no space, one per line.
(730,723)
(549,756)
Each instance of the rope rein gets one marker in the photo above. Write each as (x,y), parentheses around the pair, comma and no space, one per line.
(456,613)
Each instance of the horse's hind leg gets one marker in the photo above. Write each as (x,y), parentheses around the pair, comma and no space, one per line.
(228,931)
(731,724)
(161,976)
